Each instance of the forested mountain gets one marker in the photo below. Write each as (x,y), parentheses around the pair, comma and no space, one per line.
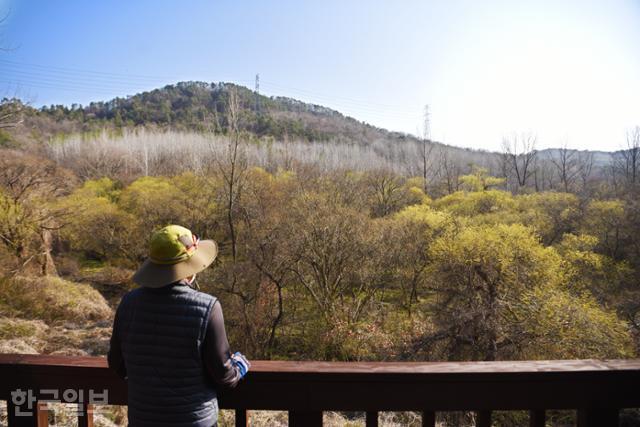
(200,106)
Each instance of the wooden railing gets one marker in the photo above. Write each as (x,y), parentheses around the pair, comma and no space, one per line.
(597,389)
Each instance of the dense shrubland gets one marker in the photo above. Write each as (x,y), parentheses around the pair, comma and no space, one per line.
(348,265)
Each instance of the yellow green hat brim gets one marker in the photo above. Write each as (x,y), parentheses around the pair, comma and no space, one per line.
(154,275)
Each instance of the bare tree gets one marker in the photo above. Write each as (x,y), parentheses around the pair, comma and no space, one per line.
(100,160)
(503,165)
(338,252)
(545,174)
(385,188)
(131,153)
(630,157)
(567,165)
(611,172)
(26,183)
(585,167)
(267,241)
(449,171)
(520,154)
(11,111)
(234,168)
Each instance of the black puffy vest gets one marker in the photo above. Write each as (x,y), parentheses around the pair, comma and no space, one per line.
(161,334)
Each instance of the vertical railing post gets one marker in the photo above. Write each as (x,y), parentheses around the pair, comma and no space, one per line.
(242,420)
(372,419)
(428,419)
(596,417)
(43,414)
(537,418)
(305,418)
(483,419)
(19,416)
(85,415)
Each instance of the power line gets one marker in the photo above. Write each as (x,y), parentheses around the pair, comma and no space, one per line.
(77,70)
(89,76)
(108,78)
(88,81)
(75,75)
(65,88)
(342,104)
(66,77)
(79,82)
(343,107)
(49,83)
(362,102)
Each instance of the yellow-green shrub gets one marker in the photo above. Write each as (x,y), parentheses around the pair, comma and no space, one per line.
(551,214)
(470,204)
(560,325)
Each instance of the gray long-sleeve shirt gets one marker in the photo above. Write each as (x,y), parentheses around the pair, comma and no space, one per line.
(216,354)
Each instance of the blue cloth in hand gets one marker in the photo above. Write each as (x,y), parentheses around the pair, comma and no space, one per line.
(241,362)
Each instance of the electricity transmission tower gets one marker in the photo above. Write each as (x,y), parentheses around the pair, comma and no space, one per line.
(427,124)
(257,93)
(427,147)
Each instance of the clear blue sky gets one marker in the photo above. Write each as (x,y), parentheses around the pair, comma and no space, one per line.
(567,70)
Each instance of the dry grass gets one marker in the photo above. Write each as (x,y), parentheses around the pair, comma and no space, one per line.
(74,340)
(65,415)
(330,419)
(19,328)
(22,336)
(17,346)
(53,316)
(35,337)
(52,299)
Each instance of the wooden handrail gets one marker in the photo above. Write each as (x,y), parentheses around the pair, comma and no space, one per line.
(596,388)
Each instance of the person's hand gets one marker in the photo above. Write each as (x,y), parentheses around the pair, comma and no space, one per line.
(241,362)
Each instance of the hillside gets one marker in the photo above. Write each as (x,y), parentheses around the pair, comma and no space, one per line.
(199,106)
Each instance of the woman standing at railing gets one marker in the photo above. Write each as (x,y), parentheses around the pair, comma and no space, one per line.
(169,340)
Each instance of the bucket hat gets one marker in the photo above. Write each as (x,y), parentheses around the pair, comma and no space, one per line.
(174,254)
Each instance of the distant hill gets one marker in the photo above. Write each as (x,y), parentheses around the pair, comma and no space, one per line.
(199,106)
(600,158)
